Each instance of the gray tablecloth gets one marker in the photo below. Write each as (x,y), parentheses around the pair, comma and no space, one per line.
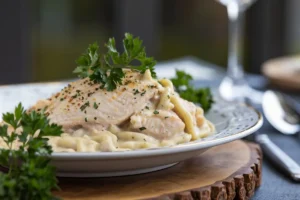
(275,184)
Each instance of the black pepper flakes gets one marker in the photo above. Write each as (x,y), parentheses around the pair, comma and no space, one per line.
(83,107)
(127,82)
(143,93)
(90,94)
(142,128)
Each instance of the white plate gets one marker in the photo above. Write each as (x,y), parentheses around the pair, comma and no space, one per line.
(232,121)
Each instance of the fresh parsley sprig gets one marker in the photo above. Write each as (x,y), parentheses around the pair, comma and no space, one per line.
(107,69)
(182,85)
(30,177)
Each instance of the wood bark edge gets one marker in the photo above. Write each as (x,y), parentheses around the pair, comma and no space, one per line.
(239,186)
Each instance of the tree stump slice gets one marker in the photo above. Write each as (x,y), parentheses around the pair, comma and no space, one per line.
(227,172)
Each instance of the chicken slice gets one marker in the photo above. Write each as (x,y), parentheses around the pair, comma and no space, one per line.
(159,124)
(84,104)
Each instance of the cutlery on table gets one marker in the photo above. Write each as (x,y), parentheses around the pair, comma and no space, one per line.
(283,117)
(281,113)
(278,156)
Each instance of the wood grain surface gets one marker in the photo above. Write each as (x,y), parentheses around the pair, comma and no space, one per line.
(229,171)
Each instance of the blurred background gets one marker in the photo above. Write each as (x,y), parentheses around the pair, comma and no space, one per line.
(41,39)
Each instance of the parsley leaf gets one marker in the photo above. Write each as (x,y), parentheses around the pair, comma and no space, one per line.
(182,85)
(182,79)
(107,69)
(30,176)
(86,61)
(95,105)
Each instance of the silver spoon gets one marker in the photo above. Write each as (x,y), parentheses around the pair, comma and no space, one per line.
(280,113)
(285,119)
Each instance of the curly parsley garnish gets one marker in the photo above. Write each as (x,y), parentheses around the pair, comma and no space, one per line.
(30,176)
(107,69)
(182,85)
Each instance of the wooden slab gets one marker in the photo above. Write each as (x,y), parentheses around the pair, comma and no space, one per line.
(229,171)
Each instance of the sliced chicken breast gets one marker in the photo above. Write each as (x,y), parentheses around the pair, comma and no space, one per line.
(84,104)
(160,124)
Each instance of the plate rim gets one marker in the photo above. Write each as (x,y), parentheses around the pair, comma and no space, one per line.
(186,147)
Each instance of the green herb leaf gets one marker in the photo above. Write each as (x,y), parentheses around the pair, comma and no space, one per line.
(83,107)
(182,79)
(155,112)
(182,85)
(86,61)
(33,178)
(95,105)
(107,69)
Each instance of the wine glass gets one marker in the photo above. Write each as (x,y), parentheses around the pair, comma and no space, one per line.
(234,87)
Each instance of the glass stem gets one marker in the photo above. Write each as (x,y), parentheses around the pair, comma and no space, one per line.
(235,69)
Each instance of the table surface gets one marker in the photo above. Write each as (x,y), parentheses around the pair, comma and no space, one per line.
(275,184)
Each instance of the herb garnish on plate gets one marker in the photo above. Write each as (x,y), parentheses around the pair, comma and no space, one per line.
(107,69)
(30,177)
(186,91)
